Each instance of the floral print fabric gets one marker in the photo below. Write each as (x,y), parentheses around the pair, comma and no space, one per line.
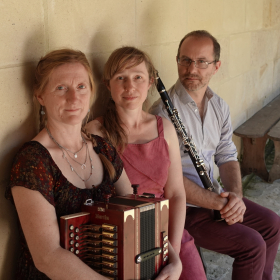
(34,168)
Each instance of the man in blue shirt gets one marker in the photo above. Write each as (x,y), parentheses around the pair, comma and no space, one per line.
(250,233)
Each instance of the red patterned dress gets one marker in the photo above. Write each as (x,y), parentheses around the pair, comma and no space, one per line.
(34,168)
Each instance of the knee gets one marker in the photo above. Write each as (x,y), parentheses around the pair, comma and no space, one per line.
(273,225)
(254,246)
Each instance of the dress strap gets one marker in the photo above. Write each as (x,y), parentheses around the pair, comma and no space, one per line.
(160,127)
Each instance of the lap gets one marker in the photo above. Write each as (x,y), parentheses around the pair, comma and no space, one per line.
(222,238)
(258,217)
(191,261)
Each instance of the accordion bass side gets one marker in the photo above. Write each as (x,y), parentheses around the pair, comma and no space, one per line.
(126,238)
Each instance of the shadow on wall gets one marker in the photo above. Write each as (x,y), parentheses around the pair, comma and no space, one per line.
(99,59)
(102,95)
(24,129)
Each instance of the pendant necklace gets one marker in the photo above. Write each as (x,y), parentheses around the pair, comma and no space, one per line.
(67,150)
(83,166)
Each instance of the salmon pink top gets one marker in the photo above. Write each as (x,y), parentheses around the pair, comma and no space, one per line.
(147,164)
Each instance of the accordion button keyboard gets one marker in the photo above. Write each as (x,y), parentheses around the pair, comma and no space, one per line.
(96,243)
(110,264)
(112,235)
(110,242)
(111,272)
(97,265)
(97,236)
(109,227)
(108,249)
(109,257)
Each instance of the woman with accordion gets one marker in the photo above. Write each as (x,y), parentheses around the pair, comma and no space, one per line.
(148,146)
(54,173)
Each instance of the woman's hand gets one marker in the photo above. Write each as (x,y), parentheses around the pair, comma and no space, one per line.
(39,223)
(174,268)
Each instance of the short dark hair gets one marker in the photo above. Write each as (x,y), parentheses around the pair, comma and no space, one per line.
(201,34)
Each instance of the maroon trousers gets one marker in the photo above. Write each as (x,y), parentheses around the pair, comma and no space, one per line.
(253,244)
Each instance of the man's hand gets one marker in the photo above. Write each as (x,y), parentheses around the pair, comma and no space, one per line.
(234,210)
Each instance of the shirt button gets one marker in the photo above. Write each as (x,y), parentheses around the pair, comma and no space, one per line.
(195,110)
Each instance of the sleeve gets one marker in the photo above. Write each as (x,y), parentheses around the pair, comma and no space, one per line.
(31,169)
(226,149)
(107,149)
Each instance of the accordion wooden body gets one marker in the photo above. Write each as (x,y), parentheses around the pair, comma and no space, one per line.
(126,238)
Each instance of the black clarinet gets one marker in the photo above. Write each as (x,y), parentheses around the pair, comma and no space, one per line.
(190,147)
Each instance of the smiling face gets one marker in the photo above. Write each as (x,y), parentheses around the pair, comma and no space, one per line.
(66,96)
(129,87)
(192,78)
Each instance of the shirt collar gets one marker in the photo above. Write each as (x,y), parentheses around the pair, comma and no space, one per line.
(184,97)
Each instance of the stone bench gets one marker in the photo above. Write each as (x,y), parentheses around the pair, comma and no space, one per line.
(254,133)
(274,135)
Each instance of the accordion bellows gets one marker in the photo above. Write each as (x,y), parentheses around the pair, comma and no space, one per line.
(126,238)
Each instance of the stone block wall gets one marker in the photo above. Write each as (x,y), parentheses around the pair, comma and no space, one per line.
(248,30)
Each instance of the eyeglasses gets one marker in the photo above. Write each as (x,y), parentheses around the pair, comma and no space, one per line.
(197,63)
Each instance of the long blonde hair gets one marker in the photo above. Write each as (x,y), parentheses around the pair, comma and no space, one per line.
(45,68)
(120,59)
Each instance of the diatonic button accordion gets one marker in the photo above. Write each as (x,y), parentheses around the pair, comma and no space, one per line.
(126,238)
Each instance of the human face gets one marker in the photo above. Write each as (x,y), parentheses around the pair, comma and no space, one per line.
(129,87)
(192,78)
(67,94)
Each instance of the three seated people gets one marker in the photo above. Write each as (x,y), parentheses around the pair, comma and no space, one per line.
(71,160)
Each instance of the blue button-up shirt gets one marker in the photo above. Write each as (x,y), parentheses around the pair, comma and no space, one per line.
(212,136)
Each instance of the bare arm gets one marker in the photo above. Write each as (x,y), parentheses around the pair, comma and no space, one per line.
(174,268)
(39,223)
(231,177)
(230,173)
(123,185)
(174,188)
(229,203)
(201,197)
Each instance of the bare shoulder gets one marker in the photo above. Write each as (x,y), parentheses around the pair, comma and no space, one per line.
(170,134)
(167,126)
(43,138)
(94,127)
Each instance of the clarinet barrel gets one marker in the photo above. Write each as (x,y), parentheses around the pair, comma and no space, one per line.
(190,147)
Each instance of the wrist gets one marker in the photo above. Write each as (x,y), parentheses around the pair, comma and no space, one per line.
(237,193)
(221,202)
